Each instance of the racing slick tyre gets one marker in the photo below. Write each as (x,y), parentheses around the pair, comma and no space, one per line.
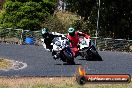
(71,61)
(92,55)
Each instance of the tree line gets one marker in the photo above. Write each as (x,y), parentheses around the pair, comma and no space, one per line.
(115,16)
(26,14)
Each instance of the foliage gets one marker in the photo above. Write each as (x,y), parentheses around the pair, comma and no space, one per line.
(60,21)
(84,26)
(54,24)
(115,16)
(81,7)
(26,14)
(87,10)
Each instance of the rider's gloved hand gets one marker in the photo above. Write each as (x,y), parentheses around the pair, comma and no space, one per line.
(87,37)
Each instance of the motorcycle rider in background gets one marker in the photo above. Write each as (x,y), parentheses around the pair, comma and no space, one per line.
(48,37)
(73,37)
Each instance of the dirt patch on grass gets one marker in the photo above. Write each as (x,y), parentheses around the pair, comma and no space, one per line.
(5,64)
(8,64)
(52,82)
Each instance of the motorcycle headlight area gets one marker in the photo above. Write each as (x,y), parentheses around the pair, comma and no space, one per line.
(83,42)
(58,43)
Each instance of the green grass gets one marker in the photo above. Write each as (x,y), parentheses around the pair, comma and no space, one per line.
(4,86)
(78,86)
(56,82)
(70,86)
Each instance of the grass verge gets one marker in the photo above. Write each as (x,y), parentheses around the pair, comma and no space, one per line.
(54,82)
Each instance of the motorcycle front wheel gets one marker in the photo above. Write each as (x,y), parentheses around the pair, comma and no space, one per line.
(92,55)
(71,61)
(68,60)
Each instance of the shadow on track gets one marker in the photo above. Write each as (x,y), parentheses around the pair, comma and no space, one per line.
(67,64)
(89,60)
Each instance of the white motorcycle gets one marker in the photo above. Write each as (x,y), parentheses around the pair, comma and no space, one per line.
(44,45)
(62,49)
(88,51)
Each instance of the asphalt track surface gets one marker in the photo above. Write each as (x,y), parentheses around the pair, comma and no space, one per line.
(40,62)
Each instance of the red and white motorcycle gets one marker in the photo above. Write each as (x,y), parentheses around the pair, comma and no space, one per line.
(88,51)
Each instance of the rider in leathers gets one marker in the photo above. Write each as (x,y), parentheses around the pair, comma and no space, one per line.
(73,37)
(48,37)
